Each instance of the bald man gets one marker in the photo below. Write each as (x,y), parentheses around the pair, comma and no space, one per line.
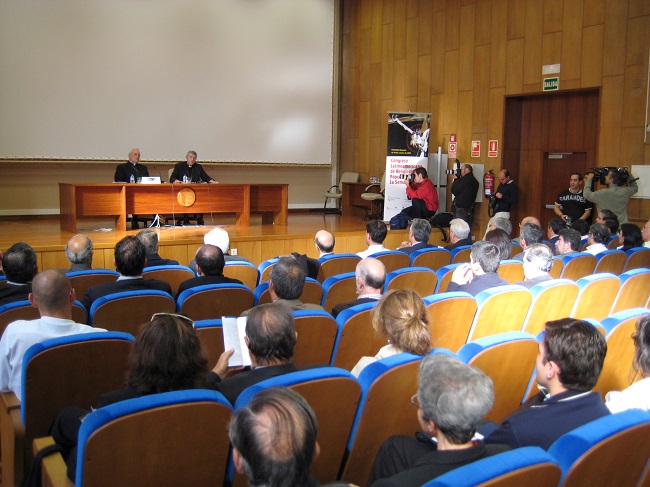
(370,276)
(79,251)
(325,242)
(527,219)
(53,295)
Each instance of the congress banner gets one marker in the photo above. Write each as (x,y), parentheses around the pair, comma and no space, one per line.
(408,148)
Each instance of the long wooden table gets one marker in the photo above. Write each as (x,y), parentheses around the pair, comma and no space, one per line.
(119,200)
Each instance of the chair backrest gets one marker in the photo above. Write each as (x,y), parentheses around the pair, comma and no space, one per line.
(348,177)
(3,280)
(265,269)
(127,311)
(338,289)
(613,243)
(433,258)
(610,261)
(552,300)
(124,443)
(386,385)
(334,396)
(637,258)
(444,277)
(461,254)
(612,450)
(596,297)
(499,310)
(79,313)
(618,373)
(578,265)
(635,290)
(312,292)
(393,259)
(335,264)
(451,315)
(557,268)
(213,301)
(82,280)
(210,333)
(18,310)
(173,275)
(357,337)
(509,360)
(317,332)
(511,270)
(243,271)
(422,280)
(516,250)
(530,466)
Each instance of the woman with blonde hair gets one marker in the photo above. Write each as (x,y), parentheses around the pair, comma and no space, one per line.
(401,317)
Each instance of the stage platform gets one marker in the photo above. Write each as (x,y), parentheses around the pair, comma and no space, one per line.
(257,242)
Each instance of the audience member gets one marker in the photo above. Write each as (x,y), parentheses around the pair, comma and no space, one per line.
(637,396)
(530,234)
(402,318)
(220,238)
(527,219)
(419,234)
(271,339)
(130,258)
(53,295)
(79,251)
(598,239)
(149,239)
(629,236)
(481,273)
(582,227)
(645,232)
(209,266)
(502,240)
(538,260)
(20,266)
(376,232)
(502,223)
(571,356)
(569,242)
(452,399)
(324,242)
(370,276)
(458,234)
(553,230)
(274,439)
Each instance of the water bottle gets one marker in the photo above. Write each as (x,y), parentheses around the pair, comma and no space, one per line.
(185,181)
(131,179)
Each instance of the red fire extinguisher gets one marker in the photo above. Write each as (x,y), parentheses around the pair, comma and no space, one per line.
(488,183)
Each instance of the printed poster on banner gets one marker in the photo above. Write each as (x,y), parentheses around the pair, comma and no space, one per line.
(408,149)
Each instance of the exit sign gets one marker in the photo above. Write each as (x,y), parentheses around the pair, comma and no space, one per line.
(551,84)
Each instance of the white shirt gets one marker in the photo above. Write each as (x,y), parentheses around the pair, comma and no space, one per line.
(386,351)
(22,334)
(637,396)
(646,244)
(372,249)
(596,248)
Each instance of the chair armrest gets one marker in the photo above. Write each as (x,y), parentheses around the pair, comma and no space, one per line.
(12,439)
(54,469)
(9,401)
(335,186)
(371,186)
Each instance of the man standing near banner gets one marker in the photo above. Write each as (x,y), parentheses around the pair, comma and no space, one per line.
(464,188)
(423,195)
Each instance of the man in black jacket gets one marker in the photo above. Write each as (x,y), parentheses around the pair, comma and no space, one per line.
(190,172)
(464,189)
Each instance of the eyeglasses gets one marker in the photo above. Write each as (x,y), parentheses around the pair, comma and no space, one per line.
(415,401)
(174,315)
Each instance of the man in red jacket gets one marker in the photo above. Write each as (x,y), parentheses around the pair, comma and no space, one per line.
(423,195)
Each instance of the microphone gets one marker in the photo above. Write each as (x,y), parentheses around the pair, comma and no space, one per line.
(159,174)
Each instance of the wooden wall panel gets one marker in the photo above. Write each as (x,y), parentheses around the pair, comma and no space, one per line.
(498,44)
(400,33)
(533,43)
(483,27)
(438,53)
(638,40)
(553,16)
(516,19)
(615,29)
(591,66)
(594,12)
(611,116)
(481,90)
(634,95)
(425,27)
(466,62)
(387,56)
(571,40)
(452,26)
(376,33)
(515,66)
(411,78)
(450,109)
(551,48)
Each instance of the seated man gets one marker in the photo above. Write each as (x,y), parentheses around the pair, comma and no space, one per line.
(527,219)
(502,240)
(530,234)
(419,234)
(190,172)
(553,230)
(568,242)
(149,239)
(130,172)
(481,273)
(370,275)
(423,195)
(220,238)
(376,232)
(645,233)
(274,439)
(538,260)
(570,359)
(130,259)
(53,295)
(271,339)
(79,251)
(209,266)
(598,239)
(20,266)
(458,234)
(502,223)
(324,242)
(452,399)
(582,227)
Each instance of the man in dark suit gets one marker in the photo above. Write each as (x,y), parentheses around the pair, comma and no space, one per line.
(418,236)
(481,273)
(149,239)
(209,265)
(20,267)
(458,234)
(271,339)
(130,259)
(370,275)
(190,172)
(130,172)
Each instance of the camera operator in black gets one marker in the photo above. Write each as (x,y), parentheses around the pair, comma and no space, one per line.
(464,188)
(615,197)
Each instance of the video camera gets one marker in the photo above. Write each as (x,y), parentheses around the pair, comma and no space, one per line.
(621,176)
(454,171)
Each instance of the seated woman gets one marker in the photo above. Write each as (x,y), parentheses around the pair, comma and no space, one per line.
(637,396)
(402,318)
(629,237)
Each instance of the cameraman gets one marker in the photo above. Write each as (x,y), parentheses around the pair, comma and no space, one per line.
(615,197)
(464,189)
(423,195)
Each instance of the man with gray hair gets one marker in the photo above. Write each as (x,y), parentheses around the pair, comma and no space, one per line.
(418,236)
(538,260)
(481,273)
(79,251)
(458,234)
(530,234)
(149,239)
(452,399)
(370,276)
(502,223)
(190,172)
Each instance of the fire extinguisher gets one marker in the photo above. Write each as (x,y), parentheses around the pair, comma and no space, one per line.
(488,183)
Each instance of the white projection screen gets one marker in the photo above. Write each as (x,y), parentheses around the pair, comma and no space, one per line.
(235,80)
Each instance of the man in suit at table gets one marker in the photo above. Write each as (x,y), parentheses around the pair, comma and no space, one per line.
(130,259)
(190,171)
(149,239)
(370,276)
(209,265)
(419,234)
(20,266)
(130,172)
